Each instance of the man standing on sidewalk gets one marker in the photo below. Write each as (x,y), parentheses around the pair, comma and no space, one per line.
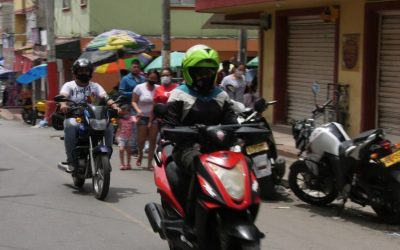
(126,86)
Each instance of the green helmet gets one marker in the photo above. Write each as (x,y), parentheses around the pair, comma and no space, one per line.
(200,56)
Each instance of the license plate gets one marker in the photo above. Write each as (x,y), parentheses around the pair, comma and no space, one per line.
(262,166)
(391,159)
(252,149)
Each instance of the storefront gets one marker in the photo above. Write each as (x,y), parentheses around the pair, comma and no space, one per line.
(352,48)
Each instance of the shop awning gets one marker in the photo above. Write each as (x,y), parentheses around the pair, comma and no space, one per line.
(222,21)
(67,48)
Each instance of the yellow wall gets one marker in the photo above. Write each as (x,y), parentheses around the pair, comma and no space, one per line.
(351,22)
(22,4)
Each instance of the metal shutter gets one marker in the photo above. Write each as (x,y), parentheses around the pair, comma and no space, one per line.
(311,57)
(389,76)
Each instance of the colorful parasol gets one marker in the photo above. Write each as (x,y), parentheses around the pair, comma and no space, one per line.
(115,67)
(120,40)
(175,62)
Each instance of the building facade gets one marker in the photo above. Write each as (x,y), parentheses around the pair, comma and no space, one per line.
(350,47)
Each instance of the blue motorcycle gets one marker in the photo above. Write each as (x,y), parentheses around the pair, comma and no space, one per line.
(91,157)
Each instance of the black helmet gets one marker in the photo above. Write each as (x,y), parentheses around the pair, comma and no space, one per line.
(79,64)
(82,63)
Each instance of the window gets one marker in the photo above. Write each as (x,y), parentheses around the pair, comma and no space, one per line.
(66,4)
(83,3)
(182,2)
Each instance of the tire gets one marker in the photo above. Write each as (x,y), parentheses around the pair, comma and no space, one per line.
(101,179)
(267,188)
(390,215)
(78,182)
(300,170)
(250,245)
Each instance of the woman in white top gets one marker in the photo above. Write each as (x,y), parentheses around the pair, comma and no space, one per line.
(235,84)
(147,128)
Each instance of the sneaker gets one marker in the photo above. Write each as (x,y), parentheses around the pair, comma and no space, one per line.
(70,168)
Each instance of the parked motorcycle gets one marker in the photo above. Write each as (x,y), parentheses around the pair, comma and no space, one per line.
(30,113)
(268,168)
(365,168)
(91,155)
(222,192)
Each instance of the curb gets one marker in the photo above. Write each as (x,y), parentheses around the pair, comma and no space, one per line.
(8,115)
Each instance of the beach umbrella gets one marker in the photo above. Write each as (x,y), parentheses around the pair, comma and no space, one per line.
(33,74)
(175,62)
(253,62)
(115,44)
(116,66)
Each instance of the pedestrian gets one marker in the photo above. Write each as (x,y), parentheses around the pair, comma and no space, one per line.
(126,86)
(249,97)
(124,136)
(223,72)
(142,102)
(235,84)
(164,90)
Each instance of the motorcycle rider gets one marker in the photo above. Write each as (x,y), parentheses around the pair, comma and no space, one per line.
(197,101)
(82,90)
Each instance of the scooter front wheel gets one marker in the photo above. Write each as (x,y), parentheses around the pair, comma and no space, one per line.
(101,179)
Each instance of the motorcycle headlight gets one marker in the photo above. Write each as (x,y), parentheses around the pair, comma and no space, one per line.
(232,179)
(96,124)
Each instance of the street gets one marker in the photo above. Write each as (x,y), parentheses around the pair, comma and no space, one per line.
(40,209)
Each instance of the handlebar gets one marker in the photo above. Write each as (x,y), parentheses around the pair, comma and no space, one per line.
(321,109)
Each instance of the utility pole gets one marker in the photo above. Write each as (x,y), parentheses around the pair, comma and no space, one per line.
(51,57)
(166,33)
(243,46)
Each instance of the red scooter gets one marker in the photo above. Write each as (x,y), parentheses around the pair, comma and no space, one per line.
(222,193)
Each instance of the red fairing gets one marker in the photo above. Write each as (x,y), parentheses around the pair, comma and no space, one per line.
(162,183)
(228,160)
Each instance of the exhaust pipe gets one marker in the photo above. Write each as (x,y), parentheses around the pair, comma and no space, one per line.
(154,214)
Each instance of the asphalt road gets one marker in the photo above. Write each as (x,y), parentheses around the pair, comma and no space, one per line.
(40,209)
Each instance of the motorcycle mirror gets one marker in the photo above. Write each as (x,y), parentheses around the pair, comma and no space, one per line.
(315,88)
(121,99)
(60,98)
(229,88)
(260,105)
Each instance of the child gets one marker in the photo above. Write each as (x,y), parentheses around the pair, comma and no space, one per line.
(124,136)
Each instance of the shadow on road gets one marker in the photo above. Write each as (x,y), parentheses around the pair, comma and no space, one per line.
(353,214)
(16,195)
(114,193)
(5,169)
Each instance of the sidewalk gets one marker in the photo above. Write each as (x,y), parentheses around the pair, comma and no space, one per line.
(10,114)
(285,144)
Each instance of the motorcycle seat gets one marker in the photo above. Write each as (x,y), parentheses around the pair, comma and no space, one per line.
(364,135)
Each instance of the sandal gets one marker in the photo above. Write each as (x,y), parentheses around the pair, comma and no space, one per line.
(139,161)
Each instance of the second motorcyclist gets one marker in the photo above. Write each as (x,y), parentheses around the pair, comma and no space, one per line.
(197,101)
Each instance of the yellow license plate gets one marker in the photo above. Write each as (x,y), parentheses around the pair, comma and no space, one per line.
(252,149)
(391,159)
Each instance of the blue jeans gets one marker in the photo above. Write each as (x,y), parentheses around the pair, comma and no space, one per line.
(71,130)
